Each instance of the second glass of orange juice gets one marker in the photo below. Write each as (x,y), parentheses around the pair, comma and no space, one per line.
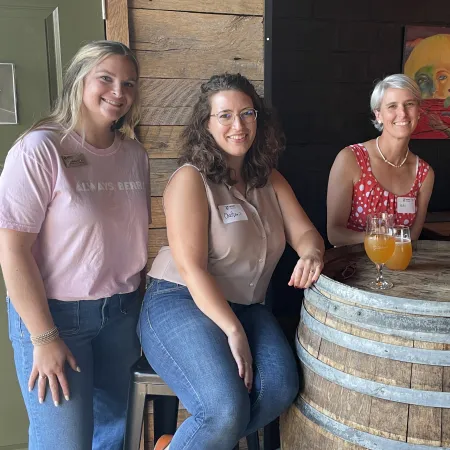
(403,249)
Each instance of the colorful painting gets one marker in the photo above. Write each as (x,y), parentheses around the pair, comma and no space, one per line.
(426,59)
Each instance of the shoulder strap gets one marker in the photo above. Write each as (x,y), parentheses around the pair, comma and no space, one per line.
(422,170)
(361,155)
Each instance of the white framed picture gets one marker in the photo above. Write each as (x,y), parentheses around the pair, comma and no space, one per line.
(8,105)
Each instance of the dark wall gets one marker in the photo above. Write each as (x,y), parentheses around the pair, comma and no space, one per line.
(326,56)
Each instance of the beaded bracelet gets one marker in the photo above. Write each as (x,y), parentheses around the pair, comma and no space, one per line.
(45,338)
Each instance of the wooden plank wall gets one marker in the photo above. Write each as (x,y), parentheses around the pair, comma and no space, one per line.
(179,44)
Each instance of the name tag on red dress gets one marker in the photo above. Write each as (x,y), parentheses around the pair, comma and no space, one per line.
(406,205)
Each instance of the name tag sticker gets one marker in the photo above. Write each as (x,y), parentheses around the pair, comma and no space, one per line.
(406,205)
(232,213)
(76,160)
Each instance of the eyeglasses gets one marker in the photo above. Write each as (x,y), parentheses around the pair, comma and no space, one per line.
(227,117)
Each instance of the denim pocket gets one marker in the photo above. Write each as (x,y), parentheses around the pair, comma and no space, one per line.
(66,315)
(16,328)
(128,301)
(9,312)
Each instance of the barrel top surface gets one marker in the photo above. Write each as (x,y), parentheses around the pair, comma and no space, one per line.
(426,278)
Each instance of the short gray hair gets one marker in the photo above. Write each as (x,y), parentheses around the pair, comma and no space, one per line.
(396,81)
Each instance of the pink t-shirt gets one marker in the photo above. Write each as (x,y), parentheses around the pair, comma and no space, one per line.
(91,219)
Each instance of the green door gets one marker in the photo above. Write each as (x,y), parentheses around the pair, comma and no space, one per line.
(39,37)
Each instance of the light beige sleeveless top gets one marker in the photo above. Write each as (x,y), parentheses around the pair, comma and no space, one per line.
(246,240)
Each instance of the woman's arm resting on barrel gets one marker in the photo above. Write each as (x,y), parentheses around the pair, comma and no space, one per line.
(423,198)
(343,174)
(301,234)
(27,293)
(187,216)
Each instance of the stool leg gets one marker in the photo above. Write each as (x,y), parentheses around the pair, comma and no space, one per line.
(135,414)
(165,414)
(253,441)
(272,435)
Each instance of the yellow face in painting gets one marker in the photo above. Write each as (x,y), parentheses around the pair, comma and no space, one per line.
(429,65)
(442,78)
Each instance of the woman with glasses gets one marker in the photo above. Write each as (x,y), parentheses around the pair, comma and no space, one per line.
(203,325)
(381,175)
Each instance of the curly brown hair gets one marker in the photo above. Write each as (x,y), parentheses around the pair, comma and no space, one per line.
(201,150)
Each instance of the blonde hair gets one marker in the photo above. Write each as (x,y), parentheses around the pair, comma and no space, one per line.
(67,109)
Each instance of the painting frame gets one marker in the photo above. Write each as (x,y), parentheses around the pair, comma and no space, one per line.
(8,97)
(426,59)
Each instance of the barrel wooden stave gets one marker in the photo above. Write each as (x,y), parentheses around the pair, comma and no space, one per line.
(301,433)
(410,425)
(352,408)
(377,416)
(446,428)
(370,367)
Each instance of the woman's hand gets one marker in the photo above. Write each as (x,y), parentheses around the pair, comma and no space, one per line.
(241,353)
(49,364)
(306,271)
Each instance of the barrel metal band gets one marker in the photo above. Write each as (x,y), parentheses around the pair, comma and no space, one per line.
(357,437)
(430,329)
(373,388)
(381,301)
(376,348)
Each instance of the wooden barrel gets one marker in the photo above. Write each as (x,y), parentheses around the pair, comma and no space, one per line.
(376,365)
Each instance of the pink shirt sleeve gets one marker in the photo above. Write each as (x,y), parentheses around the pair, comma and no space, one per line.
(26,186)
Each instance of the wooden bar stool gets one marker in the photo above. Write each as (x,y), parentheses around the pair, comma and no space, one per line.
(145,384)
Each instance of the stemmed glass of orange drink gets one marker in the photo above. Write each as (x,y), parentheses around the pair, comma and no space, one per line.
(403,248)
(379,244)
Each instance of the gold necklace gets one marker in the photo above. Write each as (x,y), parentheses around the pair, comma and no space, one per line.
(397,166)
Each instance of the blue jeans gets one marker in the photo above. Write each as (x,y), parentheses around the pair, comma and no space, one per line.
(191,353)
(101,334)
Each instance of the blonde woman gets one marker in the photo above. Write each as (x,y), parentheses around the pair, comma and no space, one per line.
(73,239)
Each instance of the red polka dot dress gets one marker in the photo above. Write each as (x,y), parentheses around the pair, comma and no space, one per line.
(369,197)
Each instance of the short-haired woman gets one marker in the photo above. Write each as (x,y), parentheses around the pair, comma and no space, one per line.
(381,175)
